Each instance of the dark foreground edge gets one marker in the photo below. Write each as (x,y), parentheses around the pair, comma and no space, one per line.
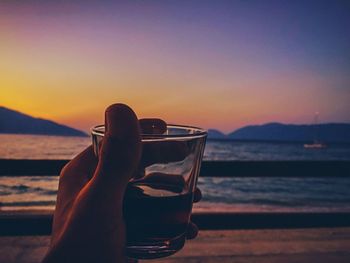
(11,167)
(40,224)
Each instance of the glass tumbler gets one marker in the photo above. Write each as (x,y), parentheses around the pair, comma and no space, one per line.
(158,199)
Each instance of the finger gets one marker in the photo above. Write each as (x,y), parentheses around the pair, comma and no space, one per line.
(74,176)
(161,151)
(192,231)
(197,196)
(76,173)
(121,148)
(152,126)
(84,164)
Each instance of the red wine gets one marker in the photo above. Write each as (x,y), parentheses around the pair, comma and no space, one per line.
(156,212)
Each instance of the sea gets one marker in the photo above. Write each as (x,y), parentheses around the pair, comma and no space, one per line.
(219,194)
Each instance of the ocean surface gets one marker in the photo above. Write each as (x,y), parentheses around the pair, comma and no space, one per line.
(222,194)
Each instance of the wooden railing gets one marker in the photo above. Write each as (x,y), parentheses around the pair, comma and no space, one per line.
(40,224)
(14,167)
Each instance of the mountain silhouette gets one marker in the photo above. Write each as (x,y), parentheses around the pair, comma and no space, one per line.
(328,132)
(216,134)
(12,121)
(15,122)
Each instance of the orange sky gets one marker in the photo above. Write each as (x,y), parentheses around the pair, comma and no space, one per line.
(69,66)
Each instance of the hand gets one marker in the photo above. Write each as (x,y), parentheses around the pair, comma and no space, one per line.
(88,221)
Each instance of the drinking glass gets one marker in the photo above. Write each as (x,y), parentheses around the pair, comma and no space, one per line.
(158,199)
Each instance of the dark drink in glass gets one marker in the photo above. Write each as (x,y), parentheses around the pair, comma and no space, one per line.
(155,214)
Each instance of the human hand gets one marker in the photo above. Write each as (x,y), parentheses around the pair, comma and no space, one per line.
(88,221)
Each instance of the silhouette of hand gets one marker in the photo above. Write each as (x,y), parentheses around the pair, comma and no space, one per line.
(88,221)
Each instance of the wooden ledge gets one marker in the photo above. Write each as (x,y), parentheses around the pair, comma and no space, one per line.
(34,223)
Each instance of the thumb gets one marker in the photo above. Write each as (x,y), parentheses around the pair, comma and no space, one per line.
(121,147)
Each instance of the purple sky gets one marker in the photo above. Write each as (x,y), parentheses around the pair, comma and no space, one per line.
(221,64)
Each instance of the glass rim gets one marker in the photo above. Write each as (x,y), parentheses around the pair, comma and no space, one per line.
(200,133)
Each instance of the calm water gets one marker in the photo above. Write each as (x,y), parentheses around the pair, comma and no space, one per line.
(58,147)
(236,194)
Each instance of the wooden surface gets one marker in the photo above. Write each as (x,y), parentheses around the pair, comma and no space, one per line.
(238,246)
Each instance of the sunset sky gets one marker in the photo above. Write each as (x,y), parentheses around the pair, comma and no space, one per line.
(215,64)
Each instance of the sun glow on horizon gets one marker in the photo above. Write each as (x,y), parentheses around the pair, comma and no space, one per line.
(214,65)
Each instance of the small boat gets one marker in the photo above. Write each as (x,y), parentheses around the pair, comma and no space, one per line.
(316,144)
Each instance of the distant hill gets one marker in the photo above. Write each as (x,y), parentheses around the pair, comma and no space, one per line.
(216,135)
(330,132)
(15,122)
